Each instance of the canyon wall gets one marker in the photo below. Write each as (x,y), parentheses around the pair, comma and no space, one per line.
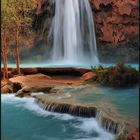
(116,25)
(117,29)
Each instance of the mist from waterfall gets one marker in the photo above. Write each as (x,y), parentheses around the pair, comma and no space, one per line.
(74,40)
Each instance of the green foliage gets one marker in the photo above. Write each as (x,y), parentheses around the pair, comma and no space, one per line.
(17,12)
(17,16)
(119,75)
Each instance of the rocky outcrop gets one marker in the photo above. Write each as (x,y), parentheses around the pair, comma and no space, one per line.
(25,84)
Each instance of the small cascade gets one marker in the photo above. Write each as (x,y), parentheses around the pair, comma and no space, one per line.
(82,111)
(108,124)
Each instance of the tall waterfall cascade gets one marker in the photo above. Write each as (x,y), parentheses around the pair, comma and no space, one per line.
(73,32)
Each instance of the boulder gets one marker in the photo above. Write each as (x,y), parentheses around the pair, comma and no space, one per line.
(87,76)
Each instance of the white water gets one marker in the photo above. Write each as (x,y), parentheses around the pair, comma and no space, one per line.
(84,125)
(73,33)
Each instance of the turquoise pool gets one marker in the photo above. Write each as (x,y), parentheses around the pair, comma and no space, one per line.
(22,119)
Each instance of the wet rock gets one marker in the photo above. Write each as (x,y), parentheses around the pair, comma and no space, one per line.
(61,106)
(42,89)
(23,93)
(134,134)
(26,89)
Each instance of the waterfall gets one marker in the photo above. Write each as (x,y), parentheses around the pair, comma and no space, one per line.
(73,33)
(83,111)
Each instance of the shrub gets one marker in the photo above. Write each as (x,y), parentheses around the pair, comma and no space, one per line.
(119,75)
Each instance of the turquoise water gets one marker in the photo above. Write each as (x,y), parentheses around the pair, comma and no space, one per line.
(22,119)
(51,65)
(125,100)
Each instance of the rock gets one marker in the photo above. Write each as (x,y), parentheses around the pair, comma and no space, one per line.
(22,93)
(42,89)
(19,93)
(134,134)
(27,78)
(7,89)
(87,76)
(29,71)
(27,89)
(38,76)
(16,87)
(6,86)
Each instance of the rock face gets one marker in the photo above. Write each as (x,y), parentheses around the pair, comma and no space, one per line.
(134,134)
(117,29)
(116,24)
(116,21)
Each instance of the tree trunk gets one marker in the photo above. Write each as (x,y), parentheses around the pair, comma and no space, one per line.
(17,50)
(4,56)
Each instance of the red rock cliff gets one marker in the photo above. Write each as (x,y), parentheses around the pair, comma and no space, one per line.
(116,20)
(116,24)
